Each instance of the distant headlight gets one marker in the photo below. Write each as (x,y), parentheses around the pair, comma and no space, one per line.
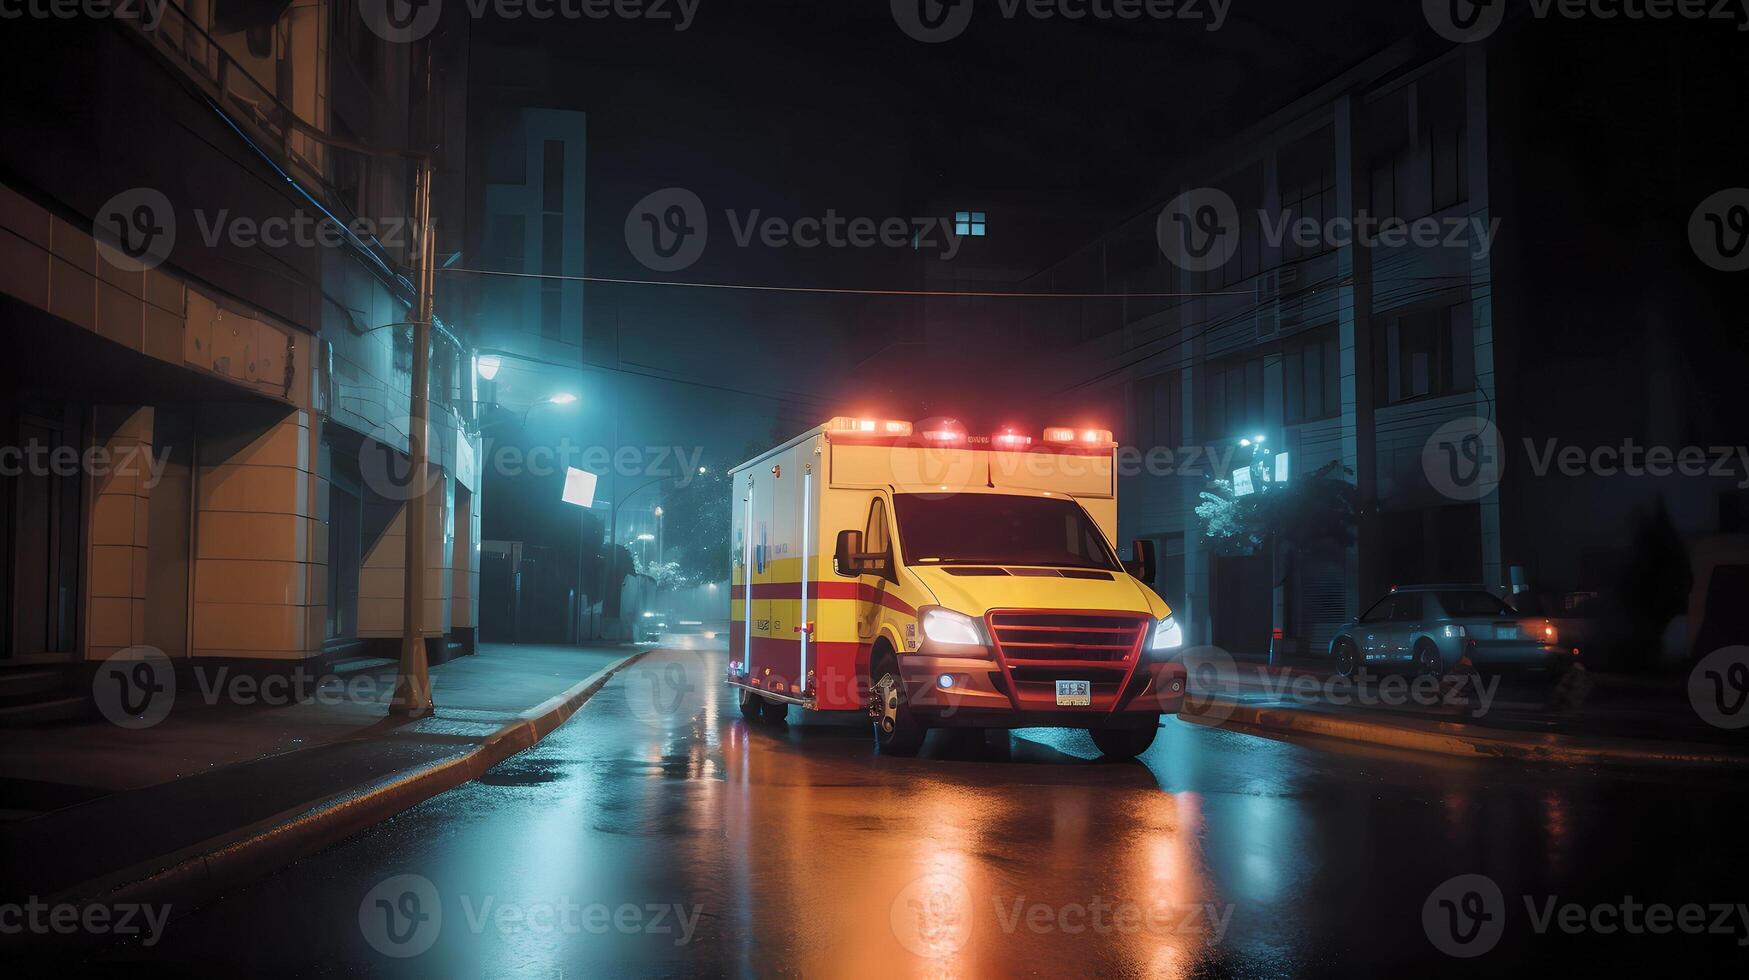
(1168,635)
(947,626)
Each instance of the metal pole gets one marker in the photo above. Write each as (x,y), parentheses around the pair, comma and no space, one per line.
(412,697)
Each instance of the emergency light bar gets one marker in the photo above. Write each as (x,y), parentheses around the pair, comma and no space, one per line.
(1011,439)
(1065,435)
(875,428)
(946,432)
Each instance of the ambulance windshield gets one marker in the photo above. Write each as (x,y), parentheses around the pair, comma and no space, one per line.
(999,529)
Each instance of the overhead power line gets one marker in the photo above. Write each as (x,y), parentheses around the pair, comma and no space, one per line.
(754,287)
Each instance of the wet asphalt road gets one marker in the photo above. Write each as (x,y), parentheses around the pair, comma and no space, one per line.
(659,833)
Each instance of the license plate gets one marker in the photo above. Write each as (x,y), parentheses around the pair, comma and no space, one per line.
(1505,632)
(1075,693)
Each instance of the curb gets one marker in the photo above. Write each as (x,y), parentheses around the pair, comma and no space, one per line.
(186,879)
(1557,749)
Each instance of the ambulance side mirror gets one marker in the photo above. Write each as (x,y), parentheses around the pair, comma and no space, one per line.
(847,557)
(1141,563)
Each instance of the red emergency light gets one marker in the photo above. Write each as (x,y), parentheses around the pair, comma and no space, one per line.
(946,432)
(1011,439)
(1065,435)
(871,428)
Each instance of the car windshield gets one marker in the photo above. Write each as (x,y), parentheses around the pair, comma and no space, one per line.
(998,529)
(1459,605)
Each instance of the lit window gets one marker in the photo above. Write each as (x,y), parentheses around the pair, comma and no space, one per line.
(969,223)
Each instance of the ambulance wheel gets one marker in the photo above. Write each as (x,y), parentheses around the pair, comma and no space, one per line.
(897,730)
(1124,743)
(752,705)
(776,712)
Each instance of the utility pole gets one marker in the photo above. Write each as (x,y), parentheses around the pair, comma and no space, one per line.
(412,697)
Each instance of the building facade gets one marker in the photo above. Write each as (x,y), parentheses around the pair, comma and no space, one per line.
(207,285)
(1387,282)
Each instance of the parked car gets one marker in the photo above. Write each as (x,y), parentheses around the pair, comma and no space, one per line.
(1430,628)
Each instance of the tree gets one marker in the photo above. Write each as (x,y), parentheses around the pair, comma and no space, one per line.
(1314,515)
(696,526)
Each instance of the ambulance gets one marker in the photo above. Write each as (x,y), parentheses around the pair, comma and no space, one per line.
(937,578)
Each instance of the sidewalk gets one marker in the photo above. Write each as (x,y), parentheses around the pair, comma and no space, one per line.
(1585,719)
(221,792)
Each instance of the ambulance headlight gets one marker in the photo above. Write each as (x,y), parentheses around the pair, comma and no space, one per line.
(1168,635)
(946,626)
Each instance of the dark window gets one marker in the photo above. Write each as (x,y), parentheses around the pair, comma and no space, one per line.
(551,310)
(876,539)
(1308,192)
(1312,377)
(997,529)
(1159,411)
(1169,580)
(1463,605)
(1446,136)
(553,176)
(1408,607)
(1233,398)
(1427,352)
(507,245)
(552,244)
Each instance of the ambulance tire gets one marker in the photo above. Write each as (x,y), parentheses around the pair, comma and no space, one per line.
(1124,743)
(776,712)
(898,732)
(752,705)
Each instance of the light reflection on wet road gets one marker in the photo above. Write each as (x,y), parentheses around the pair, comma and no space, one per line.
(659,833)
